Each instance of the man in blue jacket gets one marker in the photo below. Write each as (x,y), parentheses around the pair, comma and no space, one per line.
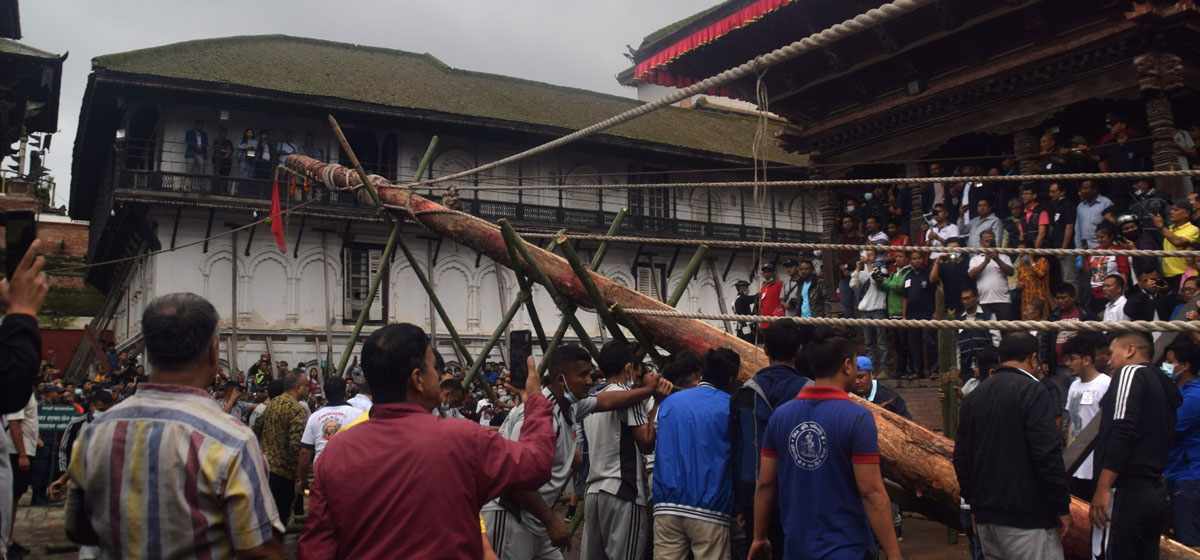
(750,409)
(1182,363)
(693,486)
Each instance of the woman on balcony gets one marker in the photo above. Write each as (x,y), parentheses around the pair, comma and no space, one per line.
(247,154)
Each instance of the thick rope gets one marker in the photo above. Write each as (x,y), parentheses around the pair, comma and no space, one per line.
(839,31)
(851,182)
(845,247)
(1084,326)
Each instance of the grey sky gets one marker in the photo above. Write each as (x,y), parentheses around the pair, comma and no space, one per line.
(565,42)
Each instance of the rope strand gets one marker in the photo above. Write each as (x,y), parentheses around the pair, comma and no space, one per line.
(1084,326)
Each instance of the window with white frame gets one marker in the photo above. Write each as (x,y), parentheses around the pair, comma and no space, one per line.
(362,263)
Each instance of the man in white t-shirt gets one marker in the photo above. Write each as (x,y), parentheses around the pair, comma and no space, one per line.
(942,231)
(990,272)
(362,400)
(1114,292)
(325,423)
(1083,401)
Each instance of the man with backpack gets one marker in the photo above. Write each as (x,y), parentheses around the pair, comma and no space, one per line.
(750,409)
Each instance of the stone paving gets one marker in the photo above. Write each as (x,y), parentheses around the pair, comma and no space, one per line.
(41,530)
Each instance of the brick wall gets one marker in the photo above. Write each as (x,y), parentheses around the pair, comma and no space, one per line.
(64,239)
(921,396)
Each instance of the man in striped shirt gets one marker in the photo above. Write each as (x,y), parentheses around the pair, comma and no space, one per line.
(166,473)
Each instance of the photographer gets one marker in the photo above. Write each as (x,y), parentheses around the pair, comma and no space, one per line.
(950,270)
(1150,299)
(872,306)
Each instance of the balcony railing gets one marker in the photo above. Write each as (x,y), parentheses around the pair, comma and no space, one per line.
(522,213)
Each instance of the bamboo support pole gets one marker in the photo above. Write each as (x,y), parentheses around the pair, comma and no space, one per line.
(646,347)
(491,343)
(593,293)
(530,307)
(517,245)
(689,273)
(394,239)
(597,258)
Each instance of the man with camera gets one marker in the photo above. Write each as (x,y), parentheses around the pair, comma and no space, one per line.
(804,294)
(1150,299)
(1179,234)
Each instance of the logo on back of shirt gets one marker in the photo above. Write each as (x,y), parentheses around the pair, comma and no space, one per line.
(808,445)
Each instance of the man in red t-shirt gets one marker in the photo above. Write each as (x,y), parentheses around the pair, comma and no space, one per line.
(768,295)
(898,239)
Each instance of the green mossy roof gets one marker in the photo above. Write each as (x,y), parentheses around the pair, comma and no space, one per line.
(668,30)
(406,80)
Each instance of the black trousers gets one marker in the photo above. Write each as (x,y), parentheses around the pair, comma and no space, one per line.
(1135,524)
(283,490)
(922,350)
(901,350)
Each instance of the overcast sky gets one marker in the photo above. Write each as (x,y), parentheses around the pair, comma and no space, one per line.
(573,43)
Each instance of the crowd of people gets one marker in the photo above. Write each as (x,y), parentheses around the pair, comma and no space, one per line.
(889,283)
(707,459)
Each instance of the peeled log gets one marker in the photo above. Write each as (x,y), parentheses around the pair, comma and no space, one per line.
(911,455)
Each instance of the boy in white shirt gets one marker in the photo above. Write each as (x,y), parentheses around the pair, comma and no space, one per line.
(1083,400)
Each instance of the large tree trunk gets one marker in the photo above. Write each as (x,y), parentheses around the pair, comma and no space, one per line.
(911,455)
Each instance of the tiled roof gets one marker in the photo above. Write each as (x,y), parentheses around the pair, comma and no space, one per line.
(405,80)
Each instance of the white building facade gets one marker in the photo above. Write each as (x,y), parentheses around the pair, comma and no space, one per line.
(132,181)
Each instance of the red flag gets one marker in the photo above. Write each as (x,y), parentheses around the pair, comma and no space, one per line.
(276,216)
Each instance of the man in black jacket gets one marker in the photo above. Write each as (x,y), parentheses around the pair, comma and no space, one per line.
(20,354)
(1137,423)
(1150,299)
(1007,459)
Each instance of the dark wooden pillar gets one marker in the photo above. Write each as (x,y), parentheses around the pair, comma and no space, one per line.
(917,194)
(831,212)
(1025,148)
(1159,74)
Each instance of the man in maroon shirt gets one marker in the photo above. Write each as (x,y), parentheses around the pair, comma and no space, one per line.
(407,483)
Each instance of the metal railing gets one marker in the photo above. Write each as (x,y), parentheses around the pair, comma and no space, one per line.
(159,166)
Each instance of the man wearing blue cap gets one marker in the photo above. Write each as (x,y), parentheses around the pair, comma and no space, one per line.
(867,387)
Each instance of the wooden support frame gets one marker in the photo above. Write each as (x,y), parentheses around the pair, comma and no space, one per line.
(729,265)
(299,236)
(585,278)
(250,239)
(175,227)
(212,212)
(689,273)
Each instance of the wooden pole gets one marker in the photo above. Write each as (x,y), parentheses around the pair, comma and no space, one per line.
(530,308)
(393,240)
(328,310)
(598,301)
(688,274)
(491,343)
(274,359)
(233,335)
(646,347)
(597,258)
(516,246)
(712,271)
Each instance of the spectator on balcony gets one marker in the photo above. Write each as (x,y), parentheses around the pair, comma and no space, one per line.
(287,147)
(1178,234)
(872,306)
(222,153)
(935,193)
(1098,267)
(1062,235)
(877,204)
(897,238)
(875,236)
(247,154)
(919,304)
(1089,213)
(991,272)
(1121,152)
(197,148)
(1035,219)
(984,221)
(310,149)
(846,260)
(1052,159)
(266,156)
(1033,280)
(942,230)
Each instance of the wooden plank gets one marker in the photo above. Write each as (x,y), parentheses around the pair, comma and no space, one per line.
(274,359)
(97,351)
(1079,449)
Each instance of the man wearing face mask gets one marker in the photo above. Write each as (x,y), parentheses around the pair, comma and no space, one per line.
(1183,462)
(521,523)
(1137,426)
(1133,236)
